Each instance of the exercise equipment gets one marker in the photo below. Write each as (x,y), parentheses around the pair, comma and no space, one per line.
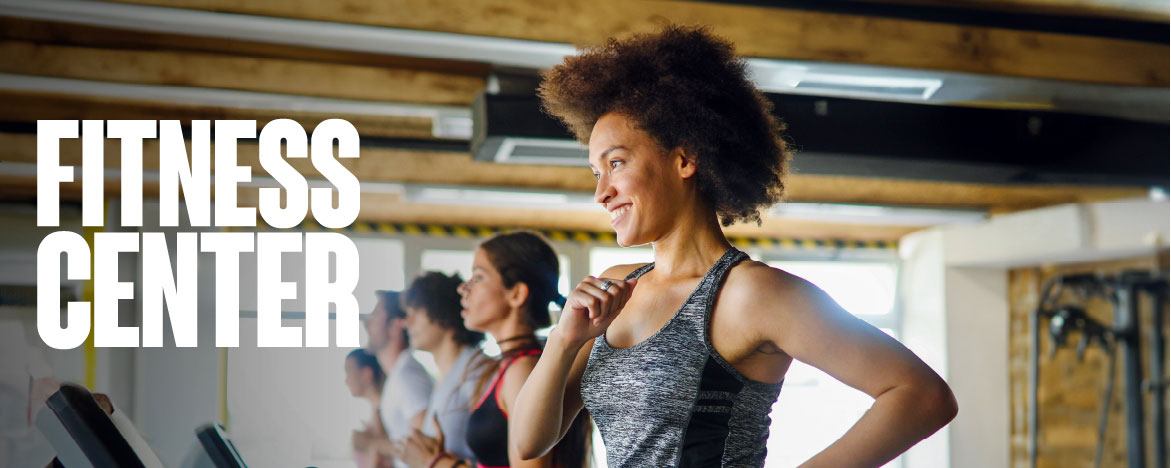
(213,449)
(84,435)
(1125,292)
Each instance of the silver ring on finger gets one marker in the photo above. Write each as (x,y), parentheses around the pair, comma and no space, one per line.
(605,286)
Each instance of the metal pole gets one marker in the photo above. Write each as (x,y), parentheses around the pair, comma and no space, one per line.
(1158,295)
(1034,363)
(1126,321)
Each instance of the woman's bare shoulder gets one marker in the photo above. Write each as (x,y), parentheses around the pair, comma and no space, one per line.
(750,284)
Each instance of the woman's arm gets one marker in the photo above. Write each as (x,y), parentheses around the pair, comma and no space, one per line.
(911,401)
(549,399)
(514,378)
(551,396)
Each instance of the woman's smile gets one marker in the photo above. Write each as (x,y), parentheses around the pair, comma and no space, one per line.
(619,213)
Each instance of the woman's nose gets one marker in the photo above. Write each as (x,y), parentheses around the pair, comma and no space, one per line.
(603,192)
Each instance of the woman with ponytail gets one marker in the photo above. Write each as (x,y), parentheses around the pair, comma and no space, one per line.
(513,284)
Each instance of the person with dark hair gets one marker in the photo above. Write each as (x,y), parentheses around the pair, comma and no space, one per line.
(407,388)
(364,378)
(435,325)
(513,285)
(680,360)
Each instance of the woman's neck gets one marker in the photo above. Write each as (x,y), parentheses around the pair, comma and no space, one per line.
(511,327)
(690,248)
(445,356)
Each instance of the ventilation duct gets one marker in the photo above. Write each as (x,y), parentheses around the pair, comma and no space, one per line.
(856,137)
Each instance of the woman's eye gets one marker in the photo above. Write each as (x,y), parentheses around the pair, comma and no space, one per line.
(615,163)
(597,176)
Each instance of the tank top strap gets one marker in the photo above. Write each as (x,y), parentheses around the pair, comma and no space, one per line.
(491,391)
(715,276)
(709,286)
(640,271)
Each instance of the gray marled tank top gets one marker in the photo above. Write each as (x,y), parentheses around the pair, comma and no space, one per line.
(672,400)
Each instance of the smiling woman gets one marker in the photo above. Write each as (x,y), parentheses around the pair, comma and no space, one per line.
(679,360)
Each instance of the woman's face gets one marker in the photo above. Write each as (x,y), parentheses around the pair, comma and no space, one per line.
(483,297)
(639,183)
(357,378)
(425,334)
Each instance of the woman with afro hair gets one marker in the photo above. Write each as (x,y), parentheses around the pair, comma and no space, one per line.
(679,361)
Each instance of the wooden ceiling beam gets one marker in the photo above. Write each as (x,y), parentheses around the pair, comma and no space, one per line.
(756,31)
(28,107)
(408,166)
(71,34)
(379,208)
(269,75)
(1152,11)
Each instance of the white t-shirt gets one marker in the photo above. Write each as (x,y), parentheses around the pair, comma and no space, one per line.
(407,392)
(452,401)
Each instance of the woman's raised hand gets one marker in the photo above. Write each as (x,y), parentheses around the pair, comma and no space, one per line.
(592,306)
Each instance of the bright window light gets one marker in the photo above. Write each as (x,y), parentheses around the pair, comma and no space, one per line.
(815,409)
(602,258)
(861,288)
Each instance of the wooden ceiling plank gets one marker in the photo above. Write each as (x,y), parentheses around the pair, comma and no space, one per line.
(387,208)
(408,166)
(756,31)
(1152,11)
(61,33)
(27,107)
(270,75)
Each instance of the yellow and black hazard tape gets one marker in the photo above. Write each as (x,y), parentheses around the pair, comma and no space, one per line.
(587,237)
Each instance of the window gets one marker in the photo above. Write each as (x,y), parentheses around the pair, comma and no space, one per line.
(863,288)
(448,262)
(379,267)
(814,409)
(602,258)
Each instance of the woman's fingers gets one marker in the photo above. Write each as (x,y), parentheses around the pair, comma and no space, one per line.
(438,431)
(605,303)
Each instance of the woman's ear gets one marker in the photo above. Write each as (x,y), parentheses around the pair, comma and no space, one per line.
(684,163)
(518,295)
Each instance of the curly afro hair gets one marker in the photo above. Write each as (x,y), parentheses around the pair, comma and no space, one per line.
(686,88)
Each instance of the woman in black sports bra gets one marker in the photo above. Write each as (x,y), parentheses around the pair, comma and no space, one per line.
(513,282)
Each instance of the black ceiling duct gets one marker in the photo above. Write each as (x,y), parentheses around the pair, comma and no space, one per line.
(838,136)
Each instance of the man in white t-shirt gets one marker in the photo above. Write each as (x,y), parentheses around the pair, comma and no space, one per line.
(407,391)
(435,323)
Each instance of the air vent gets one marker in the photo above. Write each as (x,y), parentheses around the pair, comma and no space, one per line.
(868,86)
(855,89)
(542,151)
(512,129)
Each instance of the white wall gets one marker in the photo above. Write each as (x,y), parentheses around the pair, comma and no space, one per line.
(977,353)
(924,325)
(954,290)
